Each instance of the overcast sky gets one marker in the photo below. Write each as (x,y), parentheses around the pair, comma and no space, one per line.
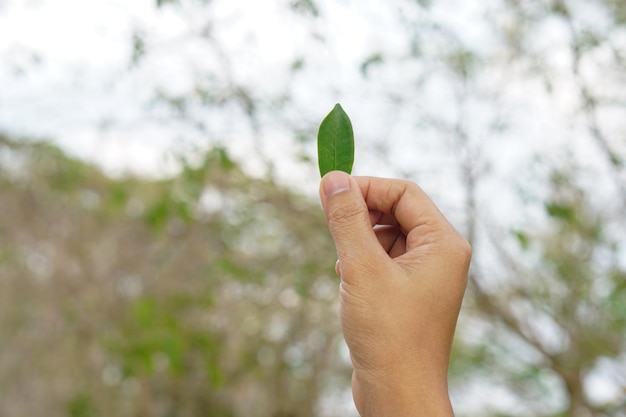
(65,72)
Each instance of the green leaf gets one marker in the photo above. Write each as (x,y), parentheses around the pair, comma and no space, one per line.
(374,59)
(561,211)
(335,142)
(523,239)
(81,405)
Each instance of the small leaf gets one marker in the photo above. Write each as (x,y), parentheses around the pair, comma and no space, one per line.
(139,48)
(561,211)
(374,59)
(335,142)
(523,239)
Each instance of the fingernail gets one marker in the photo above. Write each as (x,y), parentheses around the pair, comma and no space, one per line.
(338,268)
(336,182)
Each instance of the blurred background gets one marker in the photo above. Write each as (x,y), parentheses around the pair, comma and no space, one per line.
(162,250)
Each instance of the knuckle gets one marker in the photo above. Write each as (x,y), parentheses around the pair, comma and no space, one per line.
(458,248)
(464,248)
(412,187)
(344,215)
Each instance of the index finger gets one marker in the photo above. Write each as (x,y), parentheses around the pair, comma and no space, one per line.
(401,203)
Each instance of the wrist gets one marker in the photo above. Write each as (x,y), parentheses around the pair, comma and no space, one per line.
(403,393)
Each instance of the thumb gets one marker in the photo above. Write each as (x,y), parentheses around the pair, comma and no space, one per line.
(348,220)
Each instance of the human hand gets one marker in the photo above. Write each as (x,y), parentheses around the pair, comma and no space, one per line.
(403,271)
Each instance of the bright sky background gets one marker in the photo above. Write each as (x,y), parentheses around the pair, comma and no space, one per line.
(73,60)
(73,56)
(69,79)
(68,76)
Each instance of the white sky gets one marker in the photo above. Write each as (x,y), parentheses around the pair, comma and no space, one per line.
(84,51)
(76,89)
(83,48)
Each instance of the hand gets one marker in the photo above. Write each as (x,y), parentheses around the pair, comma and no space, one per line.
(403,271)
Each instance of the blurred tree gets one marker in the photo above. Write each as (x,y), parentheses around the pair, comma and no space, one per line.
(550,303)
(132,297)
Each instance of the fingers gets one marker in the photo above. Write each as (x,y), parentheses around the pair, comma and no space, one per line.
(349,219)
(399,202)
(375,217)
(390,239)
(405,204)
(353,205)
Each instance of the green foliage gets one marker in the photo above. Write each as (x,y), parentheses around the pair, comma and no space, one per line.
(424,3)
(81,406)
(618,10)
(561,211)
(139,48)
(152,302)
(297,64)
(157,332)
(463,62)
(161,3)
(306,7)
(522,238)
(376,58)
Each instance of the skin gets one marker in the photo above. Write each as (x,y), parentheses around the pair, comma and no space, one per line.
(403,270)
